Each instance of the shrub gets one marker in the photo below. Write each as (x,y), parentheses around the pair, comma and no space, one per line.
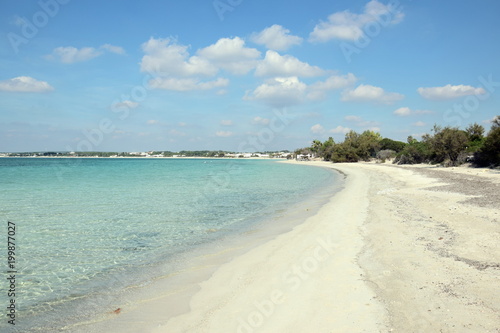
(396,146)
(386,154)
(415,152)
(344,152)
(475,132)
(447,144)
(489,153)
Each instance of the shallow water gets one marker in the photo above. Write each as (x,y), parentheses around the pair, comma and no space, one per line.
(86,228)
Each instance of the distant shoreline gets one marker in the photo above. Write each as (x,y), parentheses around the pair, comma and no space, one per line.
(150,157)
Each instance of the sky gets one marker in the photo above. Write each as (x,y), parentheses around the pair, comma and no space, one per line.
(241,75)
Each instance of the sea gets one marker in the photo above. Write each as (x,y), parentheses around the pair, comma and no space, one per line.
(88,229)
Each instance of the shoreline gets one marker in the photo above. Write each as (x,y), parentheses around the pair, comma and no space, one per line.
(170,292)
(268,286)
(391,251)
(103,294)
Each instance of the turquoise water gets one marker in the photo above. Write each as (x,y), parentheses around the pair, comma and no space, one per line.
(87,227)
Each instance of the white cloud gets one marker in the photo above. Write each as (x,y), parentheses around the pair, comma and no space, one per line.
(226,122)
(340,130)
(368,93)
(318,90)
(419,124)
(70,54)
(275,64)
(125,104)
(279,92)
(349,26)
(224,134)
(152,122)
(187,84)
(317,129)
(449,92)
(490,121)
(113,48)
(276,38)
(260,121)
(231,55)
(336,82)
(165,58)
(25,84)
(177,70)
(406,111)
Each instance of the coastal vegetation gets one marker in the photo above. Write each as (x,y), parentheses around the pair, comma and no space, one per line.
(449,146)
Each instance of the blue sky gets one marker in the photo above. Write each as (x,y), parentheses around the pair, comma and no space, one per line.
(239,74)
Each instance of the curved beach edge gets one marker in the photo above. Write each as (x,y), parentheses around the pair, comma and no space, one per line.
(396,249)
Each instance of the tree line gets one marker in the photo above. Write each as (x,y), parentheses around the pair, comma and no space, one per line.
(449,146)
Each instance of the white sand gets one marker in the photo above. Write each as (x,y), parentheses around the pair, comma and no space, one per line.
(387,253)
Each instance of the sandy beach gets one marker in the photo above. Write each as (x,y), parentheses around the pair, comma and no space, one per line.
(398,249)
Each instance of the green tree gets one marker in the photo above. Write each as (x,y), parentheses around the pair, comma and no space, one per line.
(411,139)
(327,149)
(414,152)
(344,152)
(390,144)
(495,122)
(475,132)
(475,135)
(316,146)
(447,144)
(368,144)
(489,153)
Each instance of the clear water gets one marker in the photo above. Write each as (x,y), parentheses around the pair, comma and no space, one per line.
(89,226)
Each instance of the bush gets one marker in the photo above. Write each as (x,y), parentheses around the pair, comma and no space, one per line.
(463,158)
(344,152)
(386,154)
(388,144)
(356,147)
(475,132)
(414,153)
(447,144)
(489,153)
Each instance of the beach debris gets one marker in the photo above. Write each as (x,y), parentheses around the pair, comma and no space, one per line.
(117,311)
(440,238)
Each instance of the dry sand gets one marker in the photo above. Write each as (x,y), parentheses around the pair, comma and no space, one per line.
(399,249)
